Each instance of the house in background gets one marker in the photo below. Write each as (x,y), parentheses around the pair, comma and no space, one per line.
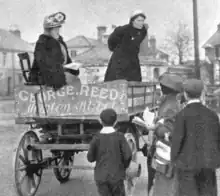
(212,53)
(80,44)
(94,55)
(10,73)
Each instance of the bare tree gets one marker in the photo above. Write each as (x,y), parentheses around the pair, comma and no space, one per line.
(179,42)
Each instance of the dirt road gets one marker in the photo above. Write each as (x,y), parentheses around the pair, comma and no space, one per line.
(80,184)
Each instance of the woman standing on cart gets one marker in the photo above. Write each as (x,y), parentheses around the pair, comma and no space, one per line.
(125,42)
(51,55)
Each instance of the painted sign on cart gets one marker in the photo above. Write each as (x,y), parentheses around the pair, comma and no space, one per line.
(73,100)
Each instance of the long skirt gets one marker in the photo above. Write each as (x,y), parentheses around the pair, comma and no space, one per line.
(164,186)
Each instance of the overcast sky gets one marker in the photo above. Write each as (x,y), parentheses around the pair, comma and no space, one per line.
(84,15)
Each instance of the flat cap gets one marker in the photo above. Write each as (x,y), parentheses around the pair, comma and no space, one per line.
(172,81)
(193,87)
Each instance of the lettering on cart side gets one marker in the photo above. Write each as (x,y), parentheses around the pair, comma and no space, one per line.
(51,108)
(93,91)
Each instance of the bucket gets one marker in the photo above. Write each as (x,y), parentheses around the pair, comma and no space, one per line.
(134,170)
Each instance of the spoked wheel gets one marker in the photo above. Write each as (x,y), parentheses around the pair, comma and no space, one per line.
(64,160)
(26,165)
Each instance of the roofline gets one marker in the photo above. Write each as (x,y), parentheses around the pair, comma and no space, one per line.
(85,46)
(13,50)
(81,36)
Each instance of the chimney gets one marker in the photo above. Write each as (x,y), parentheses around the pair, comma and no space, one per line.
(153,43)
(218,27)
(16,32)
(101,30)
(144,47)
(113,27)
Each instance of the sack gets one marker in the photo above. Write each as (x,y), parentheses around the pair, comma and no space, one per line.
(134,170)
(161,159)
(163,152)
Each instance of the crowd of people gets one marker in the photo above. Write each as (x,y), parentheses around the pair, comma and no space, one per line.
(187,127)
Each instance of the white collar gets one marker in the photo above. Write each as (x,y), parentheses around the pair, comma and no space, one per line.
(194,101)
(107,130)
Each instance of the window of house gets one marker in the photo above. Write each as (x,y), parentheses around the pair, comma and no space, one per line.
(217,73)
(17,62)
(4,59)
(20,78)
(9,85)
(156,73)
(73,53)
(217,52)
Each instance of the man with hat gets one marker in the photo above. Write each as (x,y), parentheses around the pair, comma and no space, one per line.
(171,86)
(195,148)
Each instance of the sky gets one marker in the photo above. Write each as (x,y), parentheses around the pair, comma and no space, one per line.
(83,16)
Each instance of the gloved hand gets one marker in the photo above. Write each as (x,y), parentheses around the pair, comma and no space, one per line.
(144,150)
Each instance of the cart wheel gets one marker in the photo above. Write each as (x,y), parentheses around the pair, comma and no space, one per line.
(27,173)
(63,174)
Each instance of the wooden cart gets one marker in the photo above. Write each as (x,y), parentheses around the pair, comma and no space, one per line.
(71,117)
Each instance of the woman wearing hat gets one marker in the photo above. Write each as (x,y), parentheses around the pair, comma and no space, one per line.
(165,181)
(51,55)
(125,42)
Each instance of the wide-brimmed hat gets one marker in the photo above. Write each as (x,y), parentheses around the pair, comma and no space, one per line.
(174,82)
(54,20)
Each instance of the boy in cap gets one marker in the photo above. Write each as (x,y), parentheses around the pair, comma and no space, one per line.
(195,148)
(112,154)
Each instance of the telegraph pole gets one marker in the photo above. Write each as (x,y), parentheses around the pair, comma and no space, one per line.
(196,39)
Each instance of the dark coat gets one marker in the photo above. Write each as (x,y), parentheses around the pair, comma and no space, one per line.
(47,68)
(125,42)
(196,138)
(168,109)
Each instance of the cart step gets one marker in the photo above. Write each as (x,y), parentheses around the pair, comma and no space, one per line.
(75,167)
(60,146)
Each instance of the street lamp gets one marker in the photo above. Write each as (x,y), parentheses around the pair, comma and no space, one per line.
(196,39)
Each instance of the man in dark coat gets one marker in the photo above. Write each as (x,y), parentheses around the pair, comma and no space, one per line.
(125,42)
(195,148)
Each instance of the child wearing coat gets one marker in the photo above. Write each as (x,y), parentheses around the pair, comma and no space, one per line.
(112,154)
